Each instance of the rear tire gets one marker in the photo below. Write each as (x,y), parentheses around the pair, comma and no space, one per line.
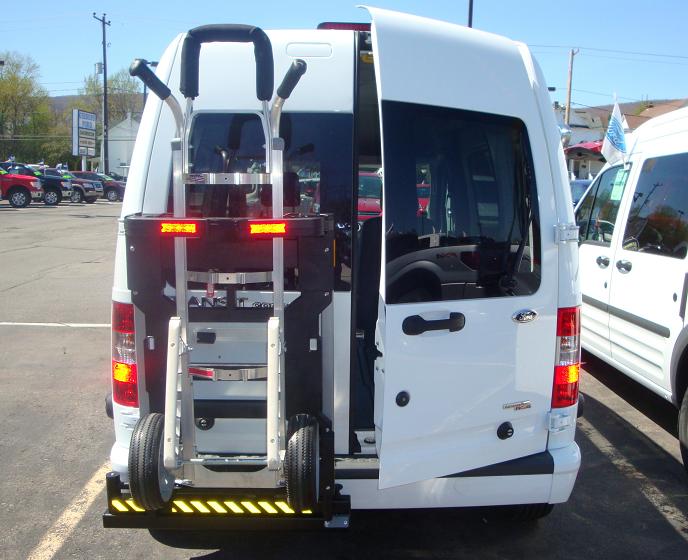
(683,429)
(112,195)
(151,485)
(77,196)
(19,197)
(301,462)
(52,197)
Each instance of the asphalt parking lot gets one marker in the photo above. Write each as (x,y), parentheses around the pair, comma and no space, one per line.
(630,501)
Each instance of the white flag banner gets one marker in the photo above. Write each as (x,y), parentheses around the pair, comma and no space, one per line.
(614,145)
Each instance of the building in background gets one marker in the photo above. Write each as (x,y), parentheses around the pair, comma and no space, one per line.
(121,138)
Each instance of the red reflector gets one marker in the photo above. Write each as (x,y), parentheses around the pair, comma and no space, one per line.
(179,229)
(268,228)
(122,317)
(565,392)
(202,372)
(344,25)
(568,321)
(125,390)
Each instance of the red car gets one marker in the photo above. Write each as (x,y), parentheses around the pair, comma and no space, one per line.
(19,190)
(369,196)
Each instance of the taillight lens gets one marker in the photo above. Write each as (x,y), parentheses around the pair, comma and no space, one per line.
(268,229)
(567,366)
(125,388)
(180,228)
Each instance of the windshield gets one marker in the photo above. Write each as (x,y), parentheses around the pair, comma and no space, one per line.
(369,186)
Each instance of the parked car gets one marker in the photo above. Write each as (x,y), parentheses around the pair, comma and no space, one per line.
(19,190)
(578,188)
(55,188)
(82,189)
(369,195)
(634,272)
(112,190)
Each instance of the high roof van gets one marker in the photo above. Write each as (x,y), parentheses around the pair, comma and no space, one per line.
(276,361)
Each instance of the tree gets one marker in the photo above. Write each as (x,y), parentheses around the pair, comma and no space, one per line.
(24,108)
(124,96)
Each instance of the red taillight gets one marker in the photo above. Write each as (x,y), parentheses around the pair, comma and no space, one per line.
(339,25)
(273,229)
(567,367)
(180,228)
(125,389)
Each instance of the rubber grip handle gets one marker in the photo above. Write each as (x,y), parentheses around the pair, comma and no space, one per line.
(291,78)
(227,33)
(140,69)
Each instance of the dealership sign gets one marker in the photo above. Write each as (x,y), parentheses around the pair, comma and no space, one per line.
(83,133)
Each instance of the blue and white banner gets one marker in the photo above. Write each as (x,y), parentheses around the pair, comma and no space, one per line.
(614,145)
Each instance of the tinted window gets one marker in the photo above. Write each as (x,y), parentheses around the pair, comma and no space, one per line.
(369,186)
(657,219)
(478,235)
(317,164)
(596,216)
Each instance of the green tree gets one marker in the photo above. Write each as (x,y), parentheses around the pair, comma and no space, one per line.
(124,96)
(24,108)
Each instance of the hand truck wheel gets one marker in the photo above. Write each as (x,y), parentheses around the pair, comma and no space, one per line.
(301,463)
(150,483)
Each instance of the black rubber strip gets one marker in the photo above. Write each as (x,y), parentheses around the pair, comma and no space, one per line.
(539,463)
(641,322)
(230,409)
(684,294)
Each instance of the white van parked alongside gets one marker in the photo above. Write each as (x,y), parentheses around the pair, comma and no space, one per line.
(634,272)
(273,363)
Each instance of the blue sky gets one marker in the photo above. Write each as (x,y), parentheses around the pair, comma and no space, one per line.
(64,39)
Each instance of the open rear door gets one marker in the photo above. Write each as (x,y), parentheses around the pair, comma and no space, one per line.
(464,381)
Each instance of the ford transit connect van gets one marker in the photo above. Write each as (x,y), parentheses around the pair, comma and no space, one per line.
(272,363)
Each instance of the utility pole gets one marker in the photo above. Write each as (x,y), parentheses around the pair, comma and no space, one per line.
(567,115)
(470,13)
(104,155)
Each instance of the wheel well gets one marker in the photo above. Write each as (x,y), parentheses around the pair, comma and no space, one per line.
(681,383)
(17,188)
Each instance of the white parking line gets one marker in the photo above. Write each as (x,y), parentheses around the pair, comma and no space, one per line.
(654,495)
(68,325)
(60,531)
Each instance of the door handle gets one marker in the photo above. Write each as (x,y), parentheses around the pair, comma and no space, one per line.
(624,266)
(415,324)
(602,262)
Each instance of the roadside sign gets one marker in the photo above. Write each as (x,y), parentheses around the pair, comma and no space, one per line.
(83,133)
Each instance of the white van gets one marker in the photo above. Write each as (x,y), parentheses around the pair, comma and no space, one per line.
(273,363)
(634,271)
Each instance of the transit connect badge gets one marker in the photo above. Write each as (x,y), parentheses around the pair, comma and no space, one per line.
(524,316)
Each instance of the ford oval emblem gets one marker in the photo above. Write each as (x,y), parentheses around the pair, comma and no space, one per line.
(524,316)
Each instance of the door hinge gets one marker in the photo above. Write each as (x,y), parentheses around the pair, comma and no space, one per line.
(564,233)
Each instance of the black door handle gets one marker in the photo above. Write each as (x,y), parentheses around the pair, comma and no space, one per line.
(415,324)
(624,266)
(602,262)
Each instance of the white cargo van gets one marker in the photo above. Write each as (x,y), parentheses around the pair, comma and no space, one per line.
(278,358)
(634,272)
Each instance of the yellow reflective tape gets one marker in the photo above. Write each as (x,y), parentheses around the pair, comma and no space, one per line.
(250,507)
(284,507)
(183,506)
(267,507)
(235,508)
(200,506)
(132,504)
(119,506)
(217,507)
(306,511)
(174,510)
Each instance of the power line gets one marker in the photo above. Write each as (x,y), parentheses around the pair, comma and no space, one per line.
(614,51)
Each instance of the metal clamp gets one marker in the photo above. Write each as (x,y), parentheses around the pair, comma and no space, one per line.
(227,178)
(564,233)
(239,278)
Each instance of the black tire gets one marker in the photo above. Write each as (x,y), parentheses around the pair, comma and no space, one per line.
(150,484)
(52,197)
(19,197)
(683,429)
(112,195)
(77,196)
(301,462)
(90,200)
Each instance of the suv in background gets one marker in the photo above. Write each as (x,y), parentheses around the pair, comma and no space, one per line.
(55,188)
(82,189)
(19,190)
(112,190)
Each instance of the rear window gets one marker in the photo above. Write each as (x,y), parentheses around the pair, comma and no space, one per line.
(478,235)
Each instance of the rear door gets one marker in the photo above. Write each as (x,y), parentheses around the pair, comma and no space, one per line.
(456,364)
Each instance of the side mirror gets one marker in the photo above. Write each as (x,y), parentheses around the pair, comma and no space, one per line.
(565,135)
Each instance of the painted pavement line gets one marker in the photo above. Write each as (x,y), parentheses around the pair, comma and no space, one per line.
(63,527)
(654,495)
(66,325)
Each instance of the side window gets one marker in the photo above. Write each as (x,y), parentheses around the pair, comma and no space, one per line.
(657,221)
(460,205)
(596,216)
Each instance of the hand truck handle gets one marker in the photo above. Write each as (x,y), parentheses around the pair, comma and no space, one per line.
(139,69)
(227,33)
(291,78)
